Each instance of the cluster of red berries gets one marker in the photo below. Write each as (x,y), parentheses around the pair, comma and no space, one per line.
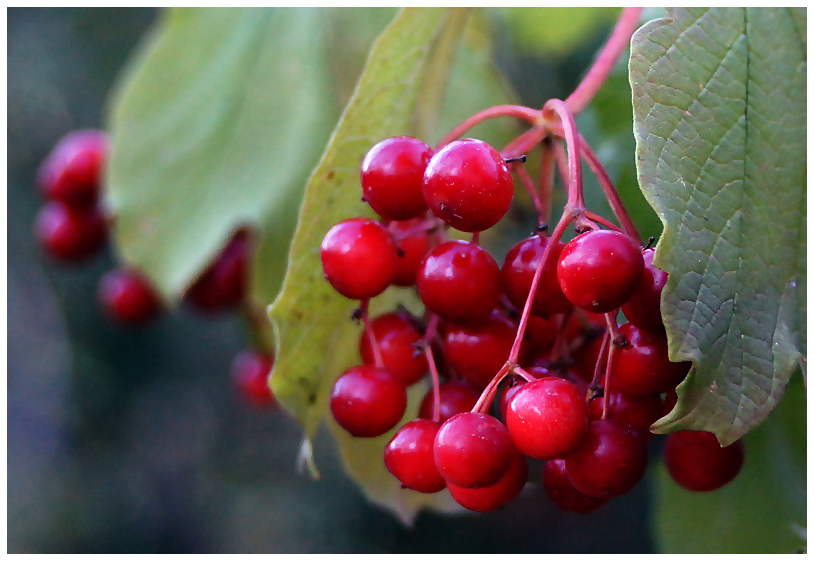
(545,366)
(72,227)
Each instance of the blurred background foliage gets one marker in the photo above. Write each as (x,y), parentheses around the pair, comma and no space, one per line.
(133,440)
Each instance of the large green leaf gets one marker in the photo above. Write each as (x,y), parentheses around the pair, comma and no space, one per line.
(216,125)
(762,511)
(720,110)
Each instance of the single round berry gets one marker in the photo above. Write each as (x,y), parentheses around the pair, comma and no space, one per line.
(392,177)
(599,270)
(468,185)
(359,258)
(72,172)
(562,493)
(250,373)
(128,296)
(610,460)
(368,401)
(409,457)
(473,450)
(397,336)
(547,418)
(477,352)
(460,282)
(70,234)
(697,462)
(518,273)
(487,499)
(643,309)
(224,282)
(455,397)
(411,248)
(642,367)
(636,411)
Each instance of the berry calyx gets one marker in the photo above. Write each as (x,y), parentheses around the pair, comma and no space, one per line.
(359,258)
(518,273)
(128,296)
(468,185)
(697,462)
(396,336)
(487,499)
(459,281)
(477,352)
(547,418)
(599,270)
(250,373)
(473,450)
(72,172)
(455,397)
(409,457)
(642,367)
(224,282)
(562,492)
(392,177)
(70,234)
(368,401)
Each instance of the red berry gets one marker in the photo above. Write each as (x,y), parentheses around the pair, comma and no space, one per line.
(477,352)
(70,234)
(541,333)
(609,462)
(396,335)
(547,418)
(455,396)
(697,462)
(636,411)
(487,499)
(643,309)
(586,356)
(468,185)
(72,172)
(368,401)
(392,177)
(518,273)
(642,367)
(223,284)
(128,296)
(600,270)
(562,493)
(412,250)
(460,282)
(473,450)
(359,257)
(250,373)
(409,457)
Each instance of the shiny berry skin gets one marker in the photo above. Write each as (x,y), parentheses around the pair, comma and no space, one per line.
(487,499)
(250,374)
(409,457)
(562,493)
(223,284)
(455,397)
(600,270)
(473,450)
(392,177)
(359,257)
(696,461)
(610,460)
(547,418)
(518,273)
(70,234)
(477,352)
(636,411)
(642,366)
(396,335)
(368,401)
(468,185)
(72,172)
(460,282)
(128,296)
(643,309)
(412,249)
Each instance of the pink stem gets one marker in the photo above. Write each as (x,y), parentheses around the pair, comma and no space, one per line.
(523,374)
(374,344)
(596,218)
(613,334)
(521,112)
(521,172)
(488,394)
(546,179)
(602,67)
(562,161)
(598,366)
(569,125)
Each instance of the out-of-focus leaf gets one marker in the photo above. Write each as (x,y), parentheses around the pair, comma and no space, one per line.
(720,122)
(556,29)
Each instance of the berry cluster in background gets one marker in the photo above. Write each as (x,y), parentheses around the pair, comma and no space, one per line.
(73,226)
(526,359)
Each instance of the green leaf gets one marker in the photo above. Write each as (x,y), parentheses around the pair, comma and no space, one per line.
(556,29)
(762,511)
(719,117)
(216,125)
